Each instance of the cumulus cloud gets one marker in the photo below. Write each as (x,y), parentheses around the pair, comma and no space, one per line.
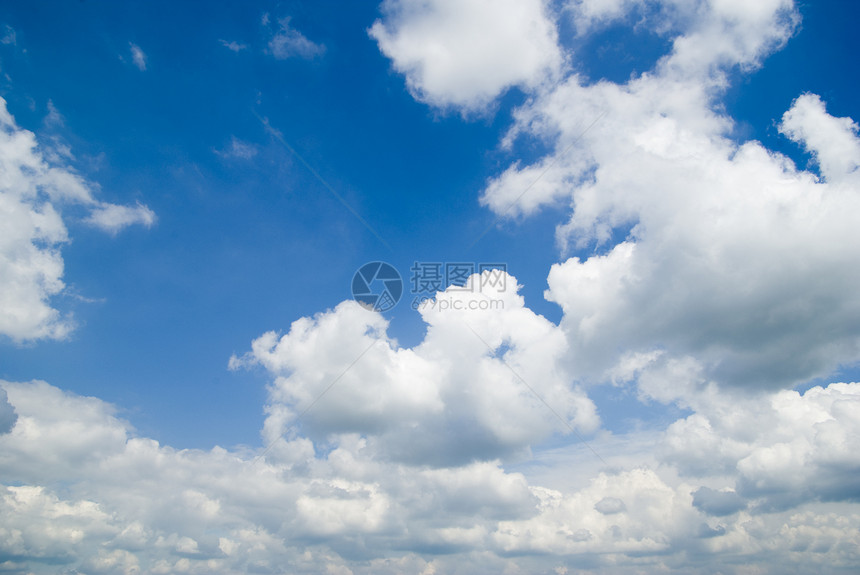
(475,388)
(33,190)
(574,522)
(287,42)
(700,275)
(832,141)
(82,490)
(465,53)
(798,450)
(723,245)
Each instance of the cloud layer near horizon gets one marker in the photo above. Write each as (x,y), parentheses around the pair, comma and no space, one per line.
(85,492)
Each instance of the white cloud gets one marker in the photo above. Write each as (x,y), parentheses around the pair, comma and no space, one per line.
(288,42)
(40,526)
(53,117)
(654,514)
(112,218)
(726,245)
(84,487)
(233,46)
(719,271)
(589,12)
(739,485)
(465,53)
(83,491)
(798,451)
(832,141)
(9,36)
(728,33)
(463,394)
(138,56)
(33,190)
(238,149)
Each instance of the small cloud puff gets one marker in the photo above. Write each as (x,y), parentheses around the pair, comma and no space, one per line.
(138,56)
(238,149)
(9,37)
(112,218)
(233,46)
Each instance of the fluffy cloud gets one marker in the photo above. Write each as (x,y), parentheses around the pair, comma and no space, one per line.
(84,492)
(652,516)
(832,141)
(723,245)
(83,488)
(465,53)
(474,388)
(798,451)
(337,489)
(33,190)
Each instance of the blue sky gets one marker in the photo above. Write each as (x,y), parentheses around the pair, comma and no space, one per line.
(679,175)
(251,244)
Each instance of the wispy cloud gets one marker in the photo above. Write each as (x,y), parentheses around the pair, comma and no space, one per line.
(9,36)
(112,218)
(138,56)
(289,42)
(238,149)
(53,117)
(233,45)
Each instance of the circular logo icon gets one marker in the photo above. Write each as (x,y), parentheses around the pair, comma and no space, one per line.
(377,286)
